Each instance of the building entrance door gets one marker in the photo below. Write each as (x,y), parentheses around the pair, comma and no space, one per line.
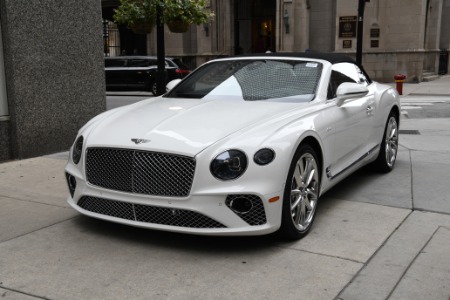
(254,26)
(263,24)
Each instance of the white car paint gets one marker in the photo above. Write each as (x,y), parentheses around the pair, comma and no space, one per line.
(349,137)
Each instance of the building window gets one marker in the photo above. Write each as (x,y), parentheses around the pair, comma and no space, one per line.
(111,38)
(3,101)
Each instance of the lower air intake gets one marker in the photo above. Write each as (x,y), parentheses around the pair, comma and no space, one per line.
(147,213)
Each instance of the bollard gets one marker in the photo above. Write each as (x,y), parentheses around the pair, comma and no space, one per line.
(399,79)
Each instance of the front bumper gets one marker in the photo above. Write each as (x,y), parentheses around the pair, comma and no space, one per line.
(211,213)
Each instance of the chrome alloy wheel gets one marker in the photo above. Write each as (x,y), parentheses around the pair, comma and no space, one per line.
(391,141)
(304,191)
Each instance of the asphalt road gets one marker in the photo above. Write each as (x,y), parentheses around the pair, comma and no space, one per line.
(430,109)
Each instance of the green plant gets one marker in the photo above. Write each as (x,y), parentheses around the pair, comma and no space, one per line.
(134,12)
(187,11)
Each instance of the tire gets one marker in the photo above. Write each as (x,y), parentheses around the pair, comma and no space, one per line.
(153,87)
(389,146)
(301,194)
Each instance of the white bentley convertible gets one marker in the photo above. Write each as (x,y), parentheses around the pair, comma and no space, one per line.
(242,146)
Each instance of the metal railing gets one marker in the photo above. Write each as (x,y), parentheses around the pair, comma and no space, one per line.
(111,39)
(443,62)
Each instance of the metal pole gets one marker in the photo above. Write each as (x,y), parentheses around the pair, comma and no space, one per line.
(161,55)
(359,39)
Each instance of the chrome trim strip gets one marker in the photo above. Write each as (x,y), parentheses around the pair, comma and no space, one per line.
(332,177)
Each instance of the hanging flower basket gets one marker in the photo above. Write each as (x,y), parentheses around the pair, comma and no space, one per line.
(142,28)
(141,15)
(178,26)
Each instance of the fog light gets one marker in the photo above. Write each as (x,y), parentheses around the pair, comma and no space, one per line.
(241,205)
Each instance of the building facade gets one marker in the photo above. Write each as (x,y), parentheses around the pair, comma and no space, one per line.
(402,36)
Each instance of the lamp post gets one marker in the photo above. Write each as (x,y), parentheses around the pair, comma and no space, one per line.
(160,49)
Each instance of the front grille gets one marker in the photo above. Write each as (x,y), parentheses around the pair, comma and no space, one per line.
(256,216)
(147,213)
(140,172)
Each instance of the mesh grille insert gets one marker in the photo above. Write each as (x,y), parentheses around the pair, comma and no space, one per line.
(147,213)
(140,172)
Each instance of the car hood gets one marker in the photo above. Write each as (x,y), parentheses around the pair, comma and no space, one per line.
(180,126)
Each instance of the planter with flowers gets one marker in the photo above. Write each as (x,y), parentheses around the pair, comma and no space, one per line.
(141,15)
(138,15)
(180,14)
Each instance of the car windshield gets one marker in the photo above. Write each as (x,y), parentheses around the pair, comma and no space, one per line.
(252,80)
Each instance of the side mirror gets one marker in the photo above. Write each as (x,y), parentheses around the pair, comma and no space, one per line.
(350,90)
(172,84)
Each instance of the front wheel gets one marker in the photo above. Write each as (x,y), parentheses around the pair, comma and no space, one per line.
(389,146)
(301,194)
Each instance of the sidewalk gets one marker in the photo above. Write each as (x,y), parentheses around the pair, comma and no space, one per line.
(375,237)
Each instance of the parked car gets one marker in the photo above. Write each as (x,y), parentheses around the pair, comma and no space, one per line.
(242,146)
(139,72)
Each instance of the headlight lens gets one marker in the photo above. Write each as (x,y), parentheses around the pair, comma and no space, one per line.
(77,150)
(229,165)
(264,156)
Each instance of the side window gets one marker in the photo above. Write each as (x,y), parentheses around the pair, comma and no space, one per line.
(362,77)
(139,63)
(344,72)
(115,63)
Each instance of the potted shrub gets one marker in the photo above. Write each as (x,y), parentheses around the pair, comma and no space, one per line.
(140,15)
(180,14)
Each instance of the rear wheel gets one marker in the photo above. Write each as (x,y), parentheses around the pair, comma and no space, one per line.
(154,87)
(301,194)
(389,146)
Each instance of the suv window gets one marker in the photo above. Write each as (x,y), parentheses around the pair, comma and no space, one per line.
(180,64)
(113,63)
(142,63)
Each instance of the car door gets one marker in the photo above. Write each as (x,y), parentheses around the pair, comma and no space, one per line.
(115,70)
(351,123)
(140,72)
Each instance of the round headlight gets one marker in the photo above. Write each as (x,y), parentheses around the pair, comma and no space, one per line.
(77,150)
(264,156)
(229,165)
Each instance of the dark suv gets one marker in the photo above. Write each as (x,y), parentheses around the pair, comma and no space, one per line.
(139,72)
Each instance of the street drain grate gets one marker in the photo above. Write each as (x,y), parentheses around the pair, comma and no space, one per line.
(408,132)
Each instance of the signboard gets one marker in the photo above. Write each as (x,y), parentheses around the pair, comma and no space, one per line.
(347,26)
(375,32)
(374,44)
(346,44)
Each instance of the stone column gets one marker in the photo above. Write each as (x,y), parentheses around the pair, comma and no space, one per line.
(55,71)
(301,25)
